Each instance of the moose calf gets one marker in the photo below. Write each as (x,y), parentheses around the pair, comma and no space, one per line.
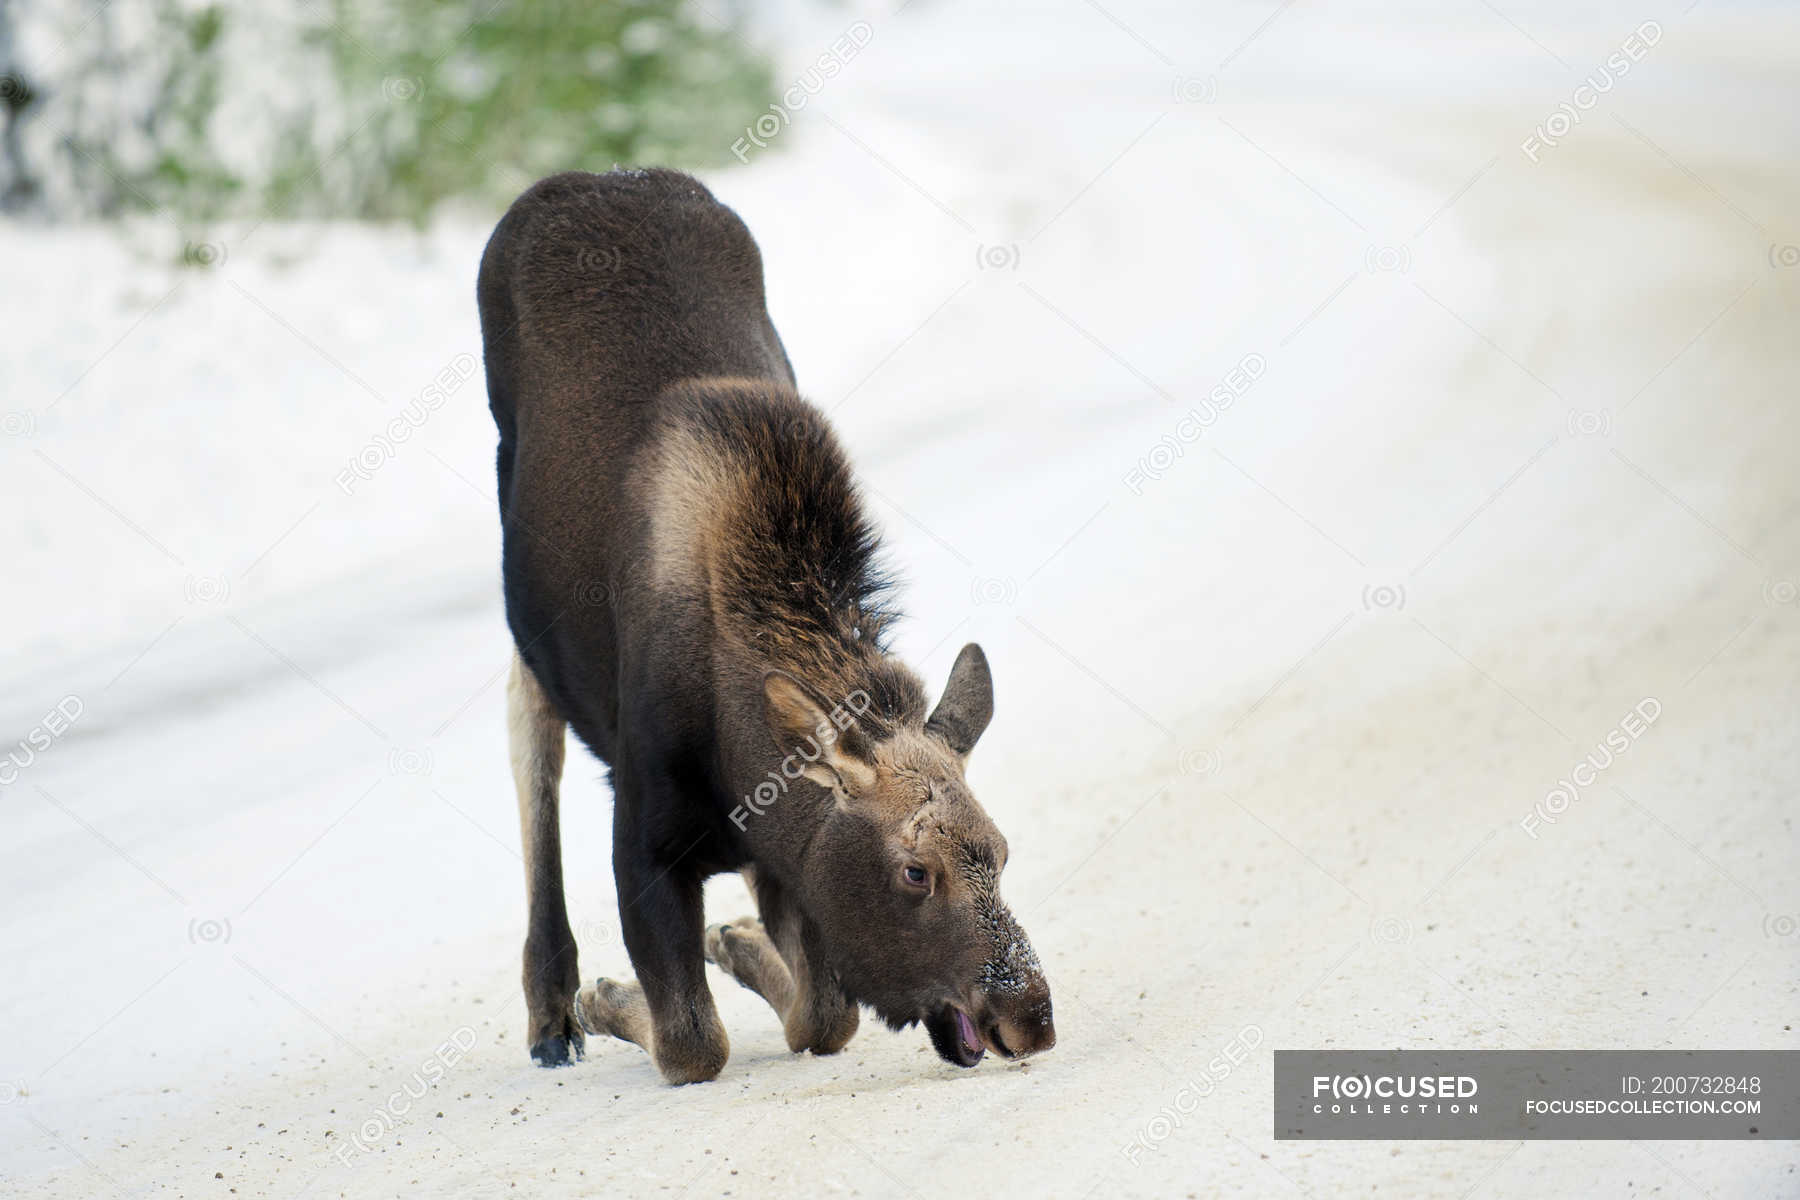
(692,586)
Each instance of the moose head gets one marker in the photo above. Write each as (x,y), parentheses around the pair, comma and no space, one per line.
(901,877)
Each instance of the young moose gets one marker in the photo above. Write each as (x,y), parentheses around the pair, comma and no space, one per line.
(691,586)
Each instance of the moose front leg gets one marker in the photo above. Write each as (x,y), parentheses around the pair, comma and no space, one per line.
(669,1011)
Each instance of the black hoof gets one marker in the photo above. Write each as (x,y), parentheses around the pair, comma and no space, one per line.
(557,1050)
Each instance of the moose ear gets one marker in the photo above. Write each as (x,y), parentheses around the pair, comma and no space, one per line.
(824,745)
(967,704)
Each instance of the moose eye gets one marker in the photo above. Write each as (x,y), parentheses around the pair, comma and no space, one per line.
(915,876)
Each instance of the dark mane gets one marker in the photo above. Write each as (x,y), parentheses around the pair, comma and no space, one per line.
(795,564)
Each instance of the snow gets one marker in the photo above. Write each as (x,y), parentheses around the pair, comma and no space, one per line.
(1271,721)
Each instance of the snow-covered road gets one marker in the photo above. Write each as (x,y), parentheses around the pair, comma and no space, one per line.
(1325,473)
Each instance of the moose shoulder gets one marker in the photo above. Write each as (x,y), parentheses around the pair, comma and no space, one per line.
(692,587)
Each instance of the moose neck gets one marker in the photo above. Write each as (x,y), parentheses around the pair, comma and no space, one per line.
(757,481)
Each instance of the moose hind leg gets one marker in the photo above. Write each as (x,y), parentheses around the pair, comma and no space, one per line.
(535,736)
(743,951)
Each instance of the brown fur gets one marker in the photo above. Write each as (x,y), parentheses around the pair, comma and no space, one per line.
(692,585)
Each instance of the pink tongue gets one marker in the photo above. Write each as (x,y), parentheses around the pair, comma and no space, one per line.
(965,1029)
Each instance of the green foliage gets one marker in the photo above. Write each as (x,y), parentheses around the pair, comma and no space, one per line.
(186,172)
(378,109)
(479,99)
(131,119)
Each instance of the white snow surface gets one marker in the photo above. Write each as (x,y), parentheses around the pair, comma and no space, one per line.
(1520,454)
